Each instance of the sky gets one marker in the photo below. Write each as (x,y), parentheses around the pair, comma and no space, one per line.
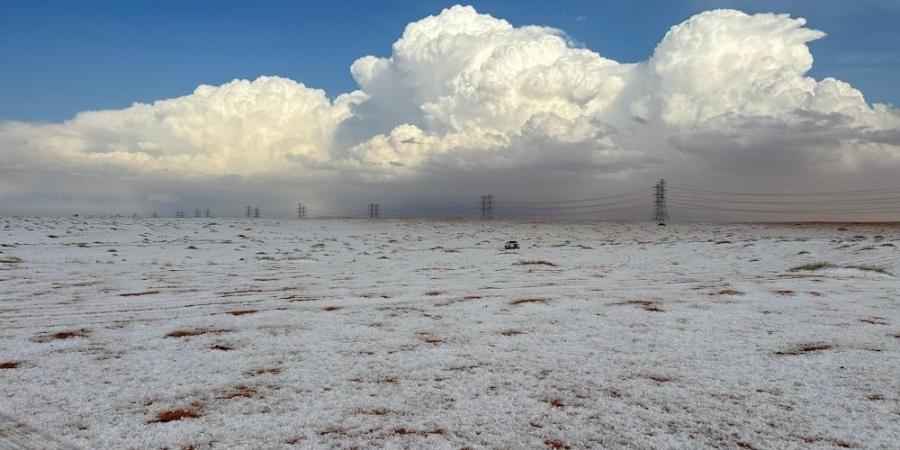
(114,106)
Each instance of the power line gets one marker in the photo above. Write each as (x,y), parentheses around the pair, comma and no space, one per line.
(894,190)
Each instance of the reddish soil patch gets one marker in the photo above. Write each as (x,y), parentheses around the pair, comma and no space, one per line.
(239,391)
(523,301)
(195,332)
(804,348)
(175,414)
(556,402)
(63,335)
(332,308)
(646,305)
(556,444)
(138,294)
(433,293)
(9,364)
(241,312)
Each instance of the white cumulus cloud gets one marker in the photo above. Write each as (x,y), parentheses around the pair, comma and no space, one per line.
(464,92)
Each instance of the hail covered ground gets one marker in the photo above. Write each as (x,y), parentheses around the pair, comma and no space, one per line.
(238,333)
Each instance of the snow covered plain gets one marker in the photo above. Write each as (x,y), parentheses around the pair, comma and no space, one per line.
(232,333)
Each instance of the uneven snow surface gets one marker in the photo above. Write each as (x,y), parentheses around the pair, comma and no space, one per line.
(232,333)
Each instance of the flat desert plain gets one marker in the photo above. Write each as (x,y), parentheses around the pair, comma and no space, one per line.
(239,333)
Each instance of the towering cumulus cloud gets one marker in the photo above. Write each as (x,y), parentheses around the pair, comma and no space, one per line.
(464,92)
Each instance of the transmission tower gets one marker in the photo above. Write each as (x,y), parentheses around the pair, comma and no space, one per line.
(248,211)
(301,211)
(207,213)
(660,213)
(373,210)
(256,212)
(487,206)
(197,213)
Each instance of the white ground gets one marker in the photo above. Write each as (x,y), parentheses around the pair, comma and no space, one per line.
(408,335)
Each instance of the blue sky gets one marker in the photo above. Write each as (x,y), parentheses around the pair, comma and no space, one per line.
(61,57)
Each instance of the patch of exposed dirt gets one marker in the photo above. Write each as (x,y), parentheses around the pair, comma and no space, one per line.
(535,263)
(524,301)
(10,364)
(659,378)
(138,294)
(552,443)
(875,320)
(646,305)
(241,312)
(263,370)
(173,415)
(300,298)
(240,390)
(402,431)
(430,338)
(804,348)
(730,292)
(63,335)
(196,332)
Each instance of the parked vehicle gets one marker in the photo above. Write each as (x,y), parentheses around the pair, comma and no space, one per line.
(511,245)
